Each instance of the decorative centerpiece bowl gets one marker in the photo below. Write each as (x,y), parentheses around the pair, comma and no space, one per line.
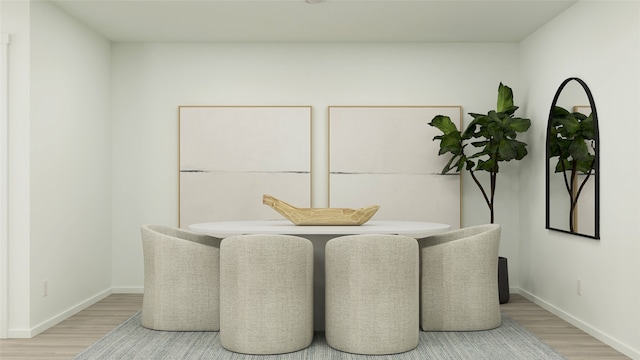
(320,216)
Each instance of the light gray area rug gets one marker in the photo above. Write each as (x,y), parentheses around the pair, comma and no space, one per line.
(132,341)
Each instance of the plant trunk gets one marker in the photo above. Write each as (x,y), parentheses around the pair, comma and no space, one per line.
(573,198)
(494,177)
(487,198)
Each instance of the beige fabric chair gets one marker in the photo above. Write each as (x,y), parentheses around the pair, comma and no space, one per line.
(181,280)
(372,294)
(266,293)
(459,280)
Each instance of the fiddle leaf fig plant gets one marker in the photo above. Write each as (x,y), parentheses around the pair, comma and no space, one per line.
(572,141)
(492,137)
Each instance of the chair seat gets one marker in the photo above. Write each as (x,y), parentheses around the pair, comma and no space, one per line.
(459,280)
(181,280)
(372,297)
(266,294)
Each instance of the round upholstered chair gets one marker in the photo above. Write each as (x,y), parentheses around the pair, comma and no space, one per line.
(181,280)
(372,295)
(266,293)
(459,280)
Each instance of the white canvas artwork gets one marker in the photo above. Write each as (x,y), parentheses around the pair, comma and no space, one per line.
(385,155)
(231,155)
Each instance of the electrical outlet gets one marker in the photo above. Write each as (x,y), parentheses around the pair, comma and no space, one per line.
(579,287)
(45,288)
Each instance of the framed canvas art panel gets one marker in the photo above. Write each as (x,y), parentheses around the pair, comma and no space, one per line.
(231,155)
(385,155)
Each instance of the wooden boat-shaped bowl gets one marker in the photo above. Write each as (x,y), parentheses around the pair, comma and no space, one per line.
(320,216)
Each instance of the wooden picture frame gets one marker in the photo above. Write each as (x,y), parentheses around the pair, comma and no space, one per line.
(231,155)
(385,155)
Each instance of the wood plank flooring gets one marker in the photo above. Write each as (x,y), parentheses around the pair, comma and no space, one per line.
(566,339)
(70,337)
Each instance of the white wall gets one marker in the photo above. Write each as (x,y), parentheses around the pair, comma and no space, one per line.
(598,42)
(4,171)
(15,22)
(150,81)
(70,162)
(60,166)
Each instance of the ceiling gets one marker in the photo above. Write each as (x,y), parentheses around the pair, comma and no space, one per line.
(331,20)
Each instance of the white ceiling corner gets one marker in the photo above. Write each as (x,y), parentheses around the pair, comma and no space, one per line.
(328,21)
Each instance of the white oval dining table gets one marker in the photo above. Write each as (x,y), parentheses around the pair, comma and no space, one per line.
(415,229)
(318,235)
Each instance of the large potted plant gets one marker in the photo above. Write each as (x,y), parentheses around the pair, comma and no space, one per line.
(493,135)
(492,140)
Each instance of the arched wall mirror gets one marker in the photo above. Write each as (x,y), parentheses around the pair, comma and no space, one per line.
(573,176)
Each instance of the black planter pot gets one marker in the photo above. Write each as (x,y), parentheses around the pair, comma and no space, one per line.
(503,280)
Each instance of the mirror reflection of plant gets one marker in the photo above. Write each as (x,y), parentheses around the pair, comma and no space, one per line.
(572,140)
(493,134)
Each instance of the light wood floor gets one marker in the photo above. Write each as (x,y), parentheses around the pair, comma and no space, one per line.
(73,335)
(566,339)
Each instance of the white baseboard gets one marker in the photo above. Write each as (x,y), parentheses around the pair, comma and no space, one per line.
(634,354)
(29,333)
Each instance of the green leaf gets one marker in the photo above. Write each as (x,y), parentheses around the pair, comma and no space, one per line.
(450,142)
(519,124)
(462,162)
(510,111)
(480,143)
(568,165)
(578,149)
(570,125)
(448,167)
(505,98)
(587,128)
(444,124)
(456,163)
(559,112)
(479,121)
(586,165)
(512,149)
(580,116)
(494,116)
(470,165)
(488,165)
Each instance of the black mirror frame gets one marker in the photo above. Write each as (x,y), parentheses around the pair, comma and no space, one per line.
(596,164)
